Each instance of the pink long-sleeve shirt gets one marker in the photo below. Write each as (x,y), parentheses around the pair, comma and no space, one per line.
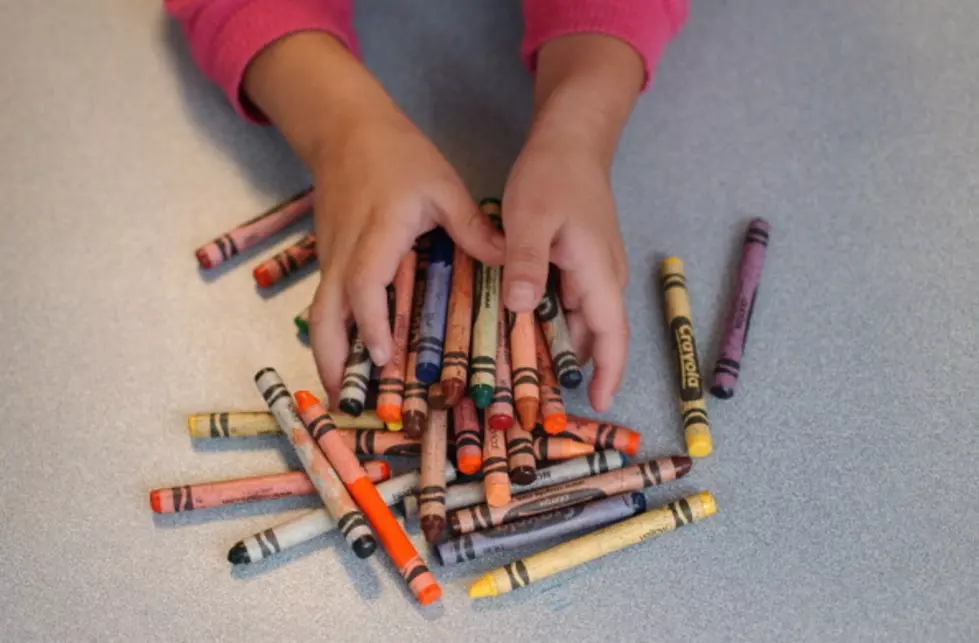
(225,35)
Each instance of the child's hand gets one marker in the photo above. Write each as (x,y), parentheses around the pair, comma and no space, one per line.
(382,186)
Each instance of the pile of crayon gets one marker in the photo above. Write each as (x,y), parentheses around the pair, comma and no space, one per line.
(471,389)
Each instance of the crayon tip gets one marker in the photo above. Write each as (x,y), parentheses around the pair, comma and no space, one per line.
(436,398)
(469,464)
(351,407)
(498,495)
(430,594)
(304,400)
(302,325)
(192,425)
(390,413)
(555,423)
(483,588)
(523,475)
(263,277)
(527,411)
(699,445)
(453,390)
(671,265)
(394,426)
(364,546)
(708,503)
(238,554)
(632,444)
(413,422)
(722,392)
(481,395)
(432,527)
(203,259)
(639,501)
(385,469)
(155,502)
(682,464)
(427,373)
(500,422)
(571,379)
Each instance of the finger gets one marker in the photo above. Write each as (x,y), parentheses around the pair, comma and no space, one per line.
(604,314)
(328,316)
(372,268)
(529,235)
(570,296)
(469,228)
(581,337)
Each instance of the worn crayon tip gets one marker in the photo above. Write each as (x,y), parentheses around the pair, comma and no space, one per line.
(483,588)
(436,398)
(469,464)
(238,554)
(385,469)
(481,395)
(631,446)
(305,400)
(351,407)
(192,425)
(427,372)
(453,390)
(430,594)
(523,475)
(708,503)
(390,413)
(203,259)
(638,501)
(527,410)
(555,423)
(263,276)
(500,422)
(413,423)
(432,527)
(722,392)
(571,379)
(394,426)
(699,445)
(682,464)
(155,502)
(364,546)
(671,265)
(302,325)
(498,495)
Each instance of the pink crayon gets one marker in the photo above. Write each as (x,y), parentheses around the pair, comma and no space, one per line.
(255,230)
(728,365)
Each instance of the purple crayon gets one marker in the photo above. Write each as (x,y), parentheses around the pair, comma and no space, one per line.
(537,529)
(728,365)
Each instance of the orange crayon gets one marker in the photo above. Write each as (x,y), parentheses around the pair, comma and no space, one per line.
(455,358)
(521,459)
(414,410)
(283,264)
(551,448)
(523,366)
(469,439)
(500,410)
(552,406)
(393,538)
(496,479)
(392,383)
(431,488)
(602,435)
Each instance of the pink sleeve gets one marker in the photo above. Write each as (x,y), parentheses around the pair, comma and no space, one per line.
(224,35)
(647,25)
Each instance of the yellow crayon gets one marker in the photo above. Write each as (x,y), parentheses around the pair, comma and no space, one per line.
(251,424)
(650,524)
(693,408)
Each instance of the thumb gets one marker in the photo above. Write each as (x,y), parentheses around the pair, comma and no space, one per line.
(471,229)
(529,236)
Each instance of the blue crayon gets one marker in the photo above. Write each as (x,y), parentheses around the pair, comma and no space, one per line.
(434,309)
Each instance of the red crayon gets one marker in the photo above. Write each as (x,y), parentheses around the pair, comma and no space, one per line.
(283,264)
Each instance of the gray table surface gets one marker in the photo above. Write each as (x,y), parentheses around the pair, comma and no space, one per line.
(844,469)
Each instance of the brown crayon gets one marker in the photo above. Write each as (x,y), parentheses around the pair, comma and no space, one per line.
(392,382)
(431,489)
(551,405)
(521,459)
(369,442)
(469,439)
(455,358)
(283,264)
(602,435)
(633,478)
(523,367)
(414,410)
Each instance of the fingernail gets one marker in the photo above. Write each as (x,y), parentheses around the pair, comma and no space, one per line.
(378,355)
(521,297)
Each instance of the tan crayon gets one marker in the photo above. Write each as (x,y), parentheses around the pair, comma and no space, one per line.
(253,424)
(500,412)
(523,367)
(521,459)
(392,383)
(431,491)
(283,264)
(414,410)
(208,495)
(630,531)
(380,442)
(632,478)
(496,478)
(693,407)
(455,358)
(551,403)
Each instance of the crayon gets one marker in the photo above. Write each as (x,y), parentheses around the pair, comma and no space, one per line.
(551,447)
(482,361)
(302,321)
(534,530)
(632,478)
(431,492)
(551,403)
(434,308)
(252,424)
(338,502)
(281,265)
(455,360)
(500,411)
(576,552)
(469,439)
(414,410)
(316,522)
(368,442)
(356,378)
(555,328)
(254,230)
(521,460)
(472,493)
(393,538)
(496,478)
(693,408)
(728,365)
(602,435)
(392,383)
(523,365)
(208,495)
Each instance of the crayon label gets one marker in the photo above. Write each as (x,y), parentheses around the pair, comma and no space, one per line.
(686,359)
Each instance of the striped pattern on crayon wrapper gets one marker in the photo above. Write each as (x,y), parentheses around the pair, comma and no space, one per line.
(432,494)
(356,378)
(564,359)
(320,426)
(415,393)
(266,543)
(673,280)
(365,443)
(757,234)
(227,246)
(219,428)
(182,499)
(294,258)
